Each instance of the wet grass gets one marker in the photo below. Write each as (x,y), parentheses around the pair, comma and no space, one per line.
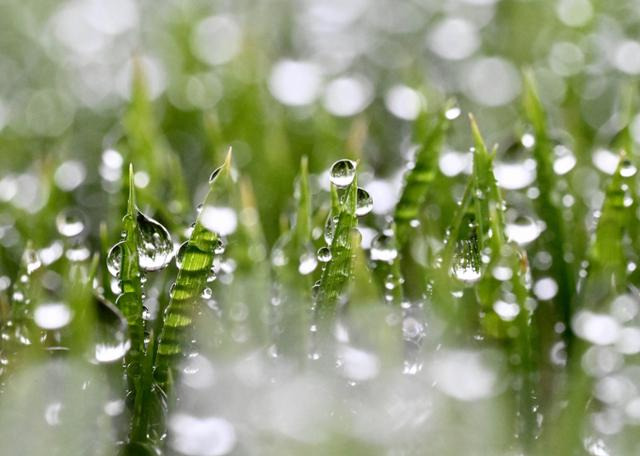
(319,289)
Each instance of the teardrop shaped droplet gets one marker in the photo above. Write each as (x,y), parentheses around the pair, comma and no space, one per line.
(114,259)
(180,254)
(364,202)
(308,262)
(383,248)
(110,338)
(324,254)
(466,262)
(214,174)
(627,169)
(70,223)
(330,229)
(155,248)
(342,173)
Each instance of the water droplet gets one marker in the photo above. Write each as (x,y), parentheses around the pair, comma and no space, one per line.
(53,315)
(70,223)
(155,248)
(627,169)
(364,202)
(31,260)
(523,230)
(330,229)
(452,113)
(211,436)
(308,262)
(564,160)
(114,259)
(342,173)
(180,254)
(207,293)
(219,247)
(324,254)
(383,248)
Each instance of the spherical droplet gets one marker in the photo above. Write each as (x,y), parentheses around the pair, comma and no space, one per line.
(324,254)
(342,173)
(114,259)
(155,247)
(70,223)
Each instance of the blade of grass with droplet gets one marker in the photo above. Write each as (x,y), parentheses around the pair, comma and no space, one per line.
(337,272)
(130,304)
(516,335)
(555,234)
(195,267)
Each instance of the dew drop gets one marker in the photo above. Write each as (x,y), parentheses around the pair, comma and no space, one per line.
(308,262)
(70,223)
(452,113)
(523,230)
(364,202)
(114,259)
(342,173)
(627,169)
(214,174)
(330,229)
(324,254)
(180,254)
(383,248)
(155,247)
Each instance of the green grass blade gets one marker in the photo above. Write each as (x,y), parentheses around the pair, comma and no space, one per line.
(555,235)
(337,272)
(196,264)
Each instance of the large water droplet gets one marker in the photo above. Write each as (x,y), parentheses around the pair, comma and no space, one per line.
(114,259)
(308,262)
(627,169)
(155,247)
(70,223)
(111,340)
(383,248)
(364,202)
(466,267)
(324,254)
(342,173)
(220,220)
(523,230)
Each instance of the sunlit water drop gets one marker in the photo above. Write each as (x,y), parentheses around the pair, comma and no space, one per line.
(155,248)
(383,248)
(195,436)
(324,254)
(114,259)
(364,202)
(342,173)
(307,262)
(523,230)
(70,223)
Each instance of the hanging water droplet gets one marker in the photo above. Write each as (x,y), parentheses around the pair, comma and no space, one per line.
(342,173)
(155,248)
(219,247)
(627,169)
(111,340)
(383,248)
(364,202)
(70,223)
(466,266)
(330,229)
(31,260)
(564,160)
(452,113)
(307,263)
(180,254)
(324,254)
(114,259)
(523,230)
(207,293)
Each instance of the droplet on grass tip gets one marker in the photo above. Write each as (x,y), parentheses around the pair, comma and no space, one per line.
(364,202)
(342,173)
